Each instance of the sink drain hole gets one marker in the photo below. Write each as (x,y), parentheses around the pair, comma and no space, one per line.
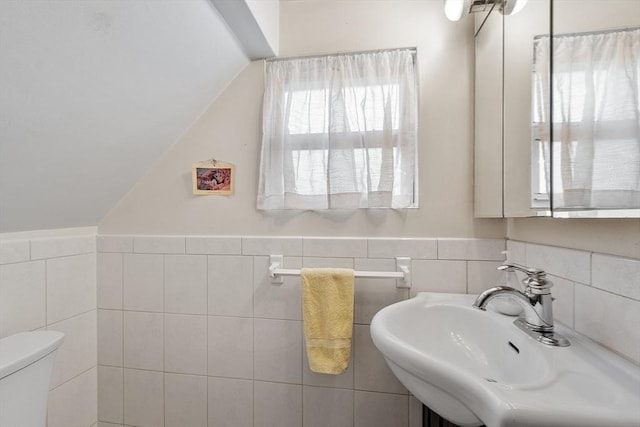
(513,346)
(491,380)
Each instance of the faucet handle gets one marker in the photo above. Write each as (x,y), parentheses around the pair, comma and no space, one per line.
(512,266)
(535,282)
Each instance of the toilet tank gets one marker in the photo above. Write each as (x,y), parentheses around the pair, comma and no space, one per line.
(26,361)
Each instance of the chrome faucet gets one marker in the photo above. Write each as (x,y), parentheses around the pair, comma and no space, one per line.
(536,302)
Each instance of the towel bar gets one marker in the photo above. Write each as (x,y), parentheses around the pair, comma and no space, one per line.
(371,274)
(402,276)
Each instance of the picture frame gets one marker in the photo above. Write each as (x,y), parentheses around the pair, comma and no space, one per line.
(213,178)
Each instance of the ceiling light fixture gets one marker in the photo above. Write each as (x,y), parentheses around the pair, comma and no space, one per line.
(456,9)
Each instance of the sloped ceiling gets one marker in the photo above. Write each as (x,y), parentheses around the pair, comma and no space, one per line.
(92,93)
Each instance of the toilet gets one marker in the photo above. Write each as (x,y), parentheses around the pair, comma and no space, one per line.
(26,361)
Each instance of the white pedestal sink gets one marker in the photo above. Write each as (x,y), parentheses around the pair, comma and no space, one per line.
(476,367)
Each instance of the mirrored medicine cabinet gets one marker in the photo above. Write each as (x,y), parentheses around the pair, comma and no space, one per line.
(557,110)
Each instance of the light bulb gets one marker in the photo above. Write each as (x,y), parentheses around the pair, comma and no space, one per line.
(511,7)
(454,9)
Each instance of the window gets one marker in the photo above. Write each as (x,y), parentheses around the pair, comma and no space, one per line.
(340,132)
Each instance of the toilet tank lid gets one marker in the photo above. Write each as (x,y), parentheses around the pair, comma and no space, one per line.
(20,350)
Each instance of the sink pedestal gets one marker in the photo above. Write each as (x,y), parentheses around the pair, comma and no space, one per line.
(431,419)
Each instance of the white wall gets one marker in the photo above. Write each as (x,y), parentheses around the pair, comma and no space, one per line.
(594,293)
(48,281)
(191,328)
(201,314)
(93,93)
(230,130)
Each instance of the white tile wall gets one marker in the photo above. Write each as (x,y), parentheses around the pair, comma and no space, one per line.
(143,287)
(277,404)
(287,246)
(334,247)
(110,280)
(374,294)
(619,331)
(439,276)
(185,344)
(22,297)
(596,294)
(185,284)
(380,409)
(371,371)
(567,263)
(143,340)
(50,283)
(516,252)
(14,251)
(110,330)
(283,301)
(471,249)
(185,400)
(315,262)
(207,325)
(79,350)
(55,247)
(563,294)
(277,350)
(214,245)
(71,286)
(110,394)
(231,347)
(412,248)
(118,244)
(143,398)
(482,275)
(159,244)
(74,403)
(230,402)
(327,407)
(230,285)
(620,276)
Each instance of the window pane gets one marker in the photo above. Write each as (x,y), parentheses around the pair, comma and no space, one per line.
(364,108)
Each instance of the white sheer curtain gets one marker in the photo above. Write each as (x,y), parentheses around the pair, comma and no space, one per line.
(540,127)
(596,119)
(340,132)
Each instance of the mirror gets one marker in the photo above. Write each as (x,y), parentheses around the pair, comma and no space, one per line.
(596,108)
(526,129)
(596,162)
(508,180)
(488,117)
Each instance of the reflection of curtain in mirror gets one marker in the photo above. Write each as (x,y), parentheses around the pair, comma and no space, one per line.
(540,129)
(596,119)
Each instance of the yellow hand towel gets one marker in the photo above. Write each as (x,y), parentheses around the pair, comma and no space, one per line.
(327,310)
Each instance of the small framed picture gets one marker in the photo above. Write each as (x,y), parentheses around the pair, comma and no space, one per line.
(213,178)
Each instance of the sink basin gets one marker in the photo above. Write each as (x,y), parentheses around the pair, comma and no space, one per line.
(476,367)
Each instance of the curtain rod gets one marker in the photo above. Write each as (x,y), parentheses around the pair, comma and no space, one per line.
(590,33)
(413,50)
